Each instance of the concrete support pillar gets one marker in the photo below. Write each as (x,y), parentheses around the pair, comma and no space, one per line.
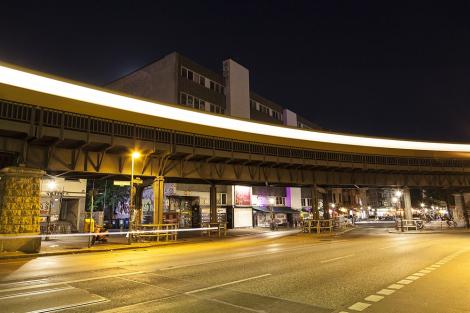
(213,203)
(364,201)
(465,211)
(315,203)
(158,197)
(20,192)
(407,203)
(138,204)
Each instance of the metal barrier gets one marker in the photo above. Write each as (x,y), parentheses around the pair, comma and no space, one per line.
(317,225)
(408,224)
(157,231)
(219,228)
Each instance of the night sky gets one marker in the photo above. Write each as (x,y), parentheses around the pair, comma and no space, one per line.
(376,68)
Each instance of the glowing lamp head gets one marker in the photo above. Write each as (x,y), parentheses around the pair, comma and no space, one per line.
(136,154)
(422,205)
(394,200)
(398,194)
(51,185)
(333,205)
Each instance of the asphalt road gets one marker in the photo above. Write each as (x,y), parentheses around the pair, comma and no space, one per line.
(365,270)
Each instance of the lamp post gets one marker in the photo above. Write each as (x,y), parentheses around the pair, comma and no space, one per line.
(135,155)
(396,201)
(333,206)
(51,186)
(271,204)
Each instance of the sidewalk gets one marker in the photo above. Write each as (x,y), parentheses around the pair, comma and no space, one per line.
(75,245)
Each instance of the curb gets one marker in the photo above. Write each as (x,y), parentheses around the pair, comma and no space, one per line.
(423,232)
(85,250)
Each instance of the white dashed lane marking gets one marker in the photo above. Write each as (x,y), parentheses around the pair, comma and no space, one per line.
(385,292)
(374,298)
(419,274)
(360,306)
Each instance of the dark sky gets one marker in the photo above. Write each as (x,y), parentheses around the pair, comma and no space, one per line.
(378,68)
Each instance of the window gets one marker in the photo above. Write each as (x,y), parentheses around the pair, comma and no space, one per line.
(202,105)
(280,200)
(214,108)
(183,99)
(253,104)
(184,72)
(221,198)
(202,80)
(212,85)
(304,202)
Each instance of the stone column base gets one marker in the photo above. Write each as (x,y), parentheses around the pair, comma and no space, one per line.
(28,245)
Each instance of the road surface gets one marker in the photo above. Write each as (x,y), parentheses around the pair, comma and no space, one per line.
(366,270)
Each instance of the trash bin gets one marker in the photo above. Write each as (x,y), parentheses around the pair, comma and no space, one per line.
(89,225)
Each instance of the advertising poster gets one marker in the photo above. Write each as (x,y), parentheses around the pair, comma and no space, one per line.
(242,195)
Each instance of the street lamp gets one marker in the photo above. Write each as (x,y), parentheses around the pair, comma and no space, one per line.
(272,201)
(51,187)
(396,201)
(134,155)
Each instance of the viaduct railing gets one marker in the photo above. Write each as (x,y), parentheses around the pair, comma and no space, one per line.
(38,116)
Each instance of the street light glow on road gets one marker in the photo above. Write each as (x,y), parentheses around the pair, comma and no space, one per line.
(23,79)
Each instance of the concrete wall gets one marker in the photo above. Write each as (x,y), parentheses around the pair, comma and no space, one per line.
(293,197)
(290,118)
(237,89)
(155,81)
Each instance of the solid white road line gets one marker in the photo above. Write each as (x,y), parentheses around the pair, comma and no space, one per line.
(227,284)
(336,259)
(70,306)
(36,292)
(69,281)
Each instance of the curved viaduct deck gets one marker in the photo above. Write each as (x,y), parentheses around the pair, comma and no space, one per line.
(68,127)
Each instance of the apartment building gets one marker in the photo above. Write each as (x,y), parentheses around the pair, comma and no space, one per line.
(175,79)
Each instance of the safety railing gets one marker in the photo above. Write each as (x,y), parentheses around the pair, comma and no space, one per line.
(157,232)
(78,122)
(406,225)
(317,226)
(214,228)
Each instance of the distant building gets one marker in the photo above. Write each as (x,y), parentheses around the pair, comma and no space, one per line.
(175,79)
